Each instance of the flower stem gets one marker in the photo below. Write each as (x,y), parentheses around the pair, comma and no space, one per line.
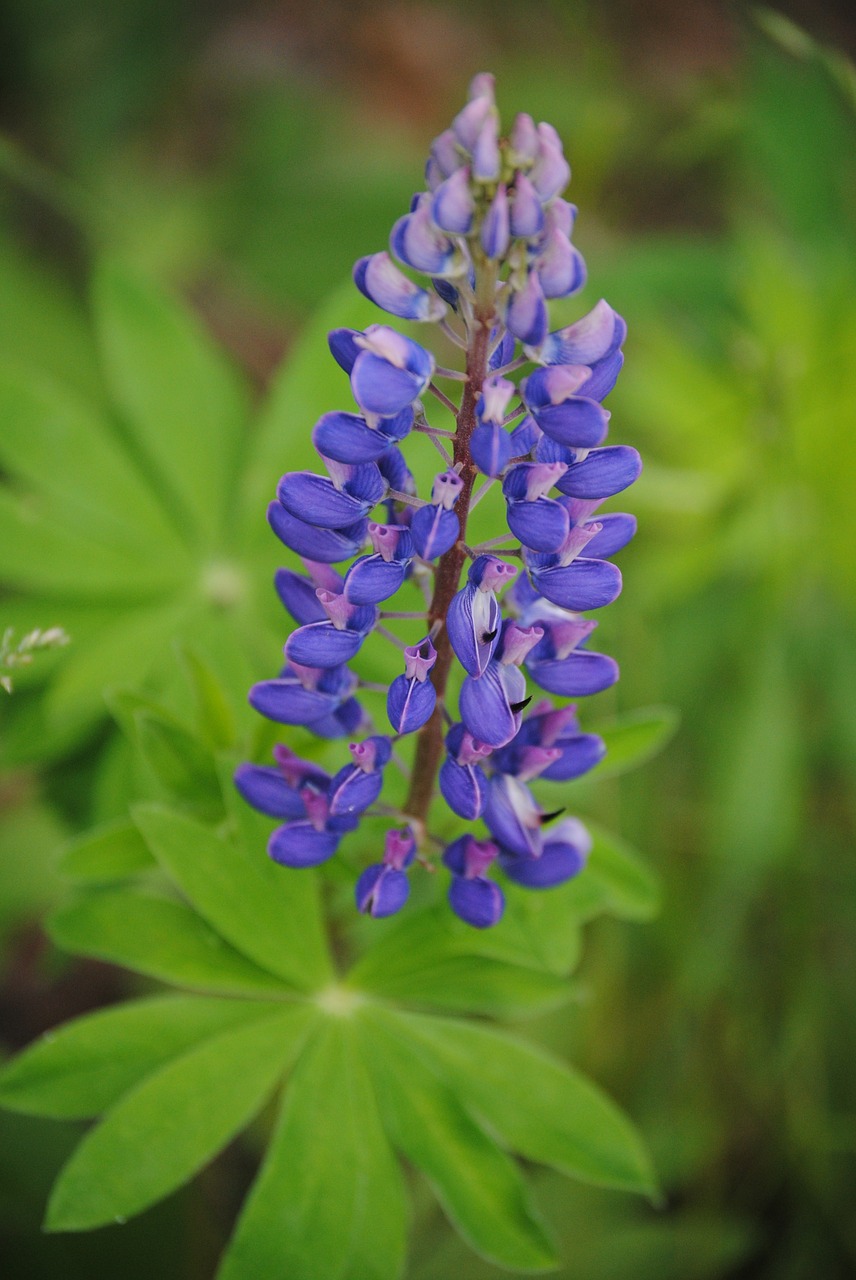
(429,747)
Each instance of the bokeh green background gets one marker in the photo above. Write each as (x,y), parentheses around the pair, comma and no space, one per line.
(242,155)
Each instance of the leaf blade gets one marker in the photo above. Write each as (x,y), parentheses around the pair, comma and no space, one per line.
(160,938)
(272,918)
(135,1156)
(306,1216)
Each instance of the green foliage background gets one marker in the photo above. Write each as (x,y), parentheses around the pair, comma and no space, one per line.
(242,156)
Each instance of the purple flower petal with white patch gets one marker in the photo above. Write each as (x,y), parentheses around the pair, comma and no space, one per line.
(473,625)
(572,419)
(490,705)
(390,372)
(469,122)
(419,243)
(328,546)
(383,283)
(513,816)
(300,844)
(596,336)
(524,141)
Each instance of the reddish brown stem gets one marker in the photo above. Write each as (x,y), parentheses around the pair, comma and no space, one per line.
(429,748)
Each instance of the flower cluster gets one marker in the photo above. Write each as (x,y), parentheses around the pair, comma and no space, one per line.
(493,236)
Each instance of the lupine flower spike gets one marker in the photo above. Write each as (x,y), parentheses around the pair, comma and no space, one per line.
(490,243)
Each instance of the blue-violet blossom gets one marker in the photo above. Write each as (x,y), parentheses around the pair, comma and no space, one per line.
(490,239)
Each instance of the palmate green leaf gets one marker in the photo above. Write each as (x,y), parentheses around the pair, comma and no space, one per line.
(478,1185)
(633,739)
(85,1066)
(73,458)
(329,1200)
(270,915)
(163,939)
(427,962)
(164,1131)
(183,403)
(110,851)
(535,1104)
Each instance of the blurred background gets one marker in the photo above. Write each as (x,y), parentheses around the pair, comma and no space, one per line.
(241,155)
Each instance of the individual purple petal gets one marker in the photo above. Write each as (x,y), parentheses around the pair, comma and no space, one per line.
(526,312)
(381,891)
(266,789)
(527,214)
(541,525)
(490,448)
(343,722)
(603,377)
(380,280)
(371,579)
(321,644)
(582,585)
(435,531)
(446,154)
(343,347)
(576,676)
(485,150)
(596,336)
(616,530)
(490,704)
(390,372)
(503,353)
(463,787)
(579,754)
(473,622)
(316,500)
(602,473)
(560,266)
(477,902)
(352,790)
(551,172)
(410,704)
(469,121)
(419,243)
(524,141)
(526,436)
(297,593)
(300,844)
(453,205)
(513,816)
(347,437)
(495,233)
(328,546)
(555,864)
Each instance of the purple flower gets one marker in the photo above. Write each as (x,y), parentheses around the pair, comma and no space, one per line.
(490,240)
